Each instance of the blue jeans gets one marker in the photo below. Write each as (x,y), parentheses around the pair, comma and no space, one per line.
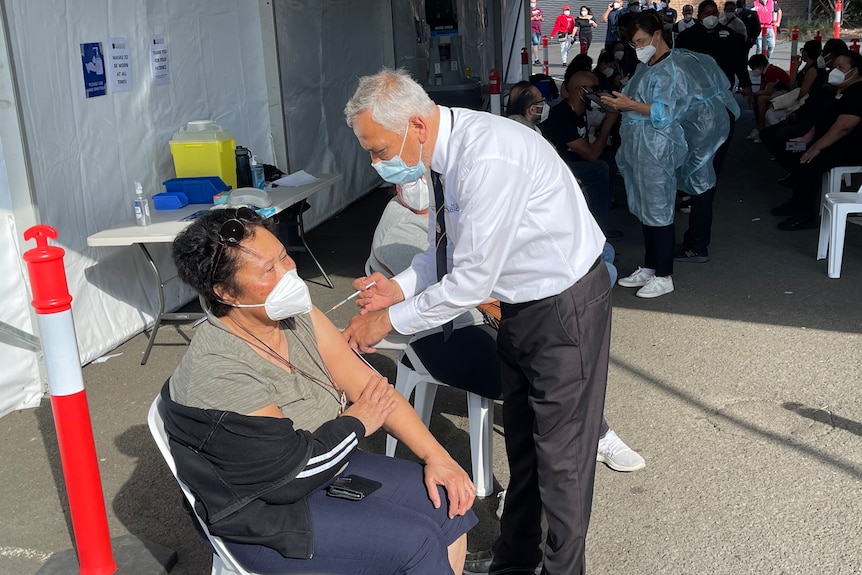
(537,39)
(770,42)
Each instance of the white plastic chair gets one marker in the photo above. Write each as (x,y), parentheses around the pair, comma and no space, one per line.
(224,562)
(420,381)
(833,224)
(479,414)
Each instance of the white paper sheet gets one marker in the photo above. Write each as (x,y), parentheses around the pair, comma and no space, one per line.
(295,179)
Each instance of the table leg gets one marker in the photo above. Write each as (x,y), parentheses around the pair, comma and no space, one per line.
(161,315)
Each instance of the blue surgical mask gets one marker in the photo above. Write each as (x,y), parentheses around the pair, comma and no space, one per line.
(395,171)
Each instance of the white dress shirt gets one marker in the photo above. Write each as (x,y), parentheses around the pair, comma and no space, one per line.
(518,226)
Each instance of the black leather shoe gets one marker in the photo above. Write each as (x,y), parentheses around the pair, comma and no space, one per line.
(796,223)
(484,563)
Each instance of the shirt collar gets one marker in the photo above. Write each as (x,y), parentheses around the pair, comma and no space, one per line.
(441,146)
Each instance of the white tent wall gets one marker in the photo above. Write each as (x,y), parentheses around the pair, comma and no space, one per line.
(86,153)
(20,383)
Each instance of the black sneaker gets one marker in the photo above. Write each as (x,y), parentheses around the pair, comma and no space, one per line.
(484,563)
(690,256)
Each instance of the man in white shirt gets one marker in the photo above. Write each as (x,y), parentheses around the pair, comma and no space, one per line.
(515,227)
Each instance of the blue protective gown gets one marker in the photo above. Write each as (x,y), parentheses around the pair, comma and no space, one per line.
(673,147)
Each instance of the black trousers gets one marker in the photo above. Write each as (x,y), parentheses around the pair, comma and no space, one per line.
(658,248)
(699,232)
(555,370)
(808,178)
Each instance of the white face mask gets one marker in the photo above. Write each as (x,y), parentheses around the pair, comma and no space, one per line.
(288,298)
(415,194)
(618,55)
(566,12)
(836,77)
(686,17)
(645,53)
(543,115)
(608,72)
(532,4)
(821,63)
(729,16)
(710,22)
(617,5)
(583,12)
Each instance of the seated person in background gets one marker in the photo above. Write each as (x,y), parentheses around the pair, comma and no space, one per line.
(835,140)
(266,408)
(773,81)
(469,355)
(567,128)
(526,105)
(731,21)
(808,78)
(608,72)
(798,122)
(467,359)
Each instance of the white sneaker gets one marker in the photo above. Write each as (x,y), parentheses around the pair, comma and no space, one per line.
(617,455)
(502,497)
(639,278)
(754,135)
(656,286)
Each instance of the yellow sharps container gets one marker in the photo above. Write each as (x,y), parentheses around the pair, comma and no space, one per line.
(203,148)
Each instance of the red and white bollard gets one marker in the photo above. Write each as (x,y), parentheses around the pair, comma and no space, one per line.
(764,49)
(526,66)
(836,29)
(494,90)
(545,55)
(854,45)
(53,305)
(794,52)
(583,45)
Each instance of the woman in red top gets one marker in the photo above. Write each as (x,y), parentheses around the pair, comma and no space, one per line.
(564,28)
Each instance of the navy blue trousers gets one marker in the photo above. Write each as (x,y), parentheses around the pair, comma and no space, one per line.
(394,530)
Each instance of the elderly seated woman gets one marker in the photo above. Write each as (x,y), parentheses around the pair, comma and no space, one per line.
(265,411)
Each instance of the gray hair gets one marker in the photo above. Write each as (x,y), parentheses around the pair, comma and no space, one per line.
(393,98)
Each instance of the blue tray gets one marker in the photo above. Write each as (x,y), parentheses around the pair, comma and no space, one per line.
(198,190)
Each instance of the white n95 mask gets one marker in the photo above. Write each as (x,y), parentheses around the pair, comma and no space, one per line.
(288,298)
(415,194)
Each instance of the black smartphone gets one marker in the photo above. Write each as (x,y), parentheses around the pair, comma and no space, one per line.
(597,99)
(352,487)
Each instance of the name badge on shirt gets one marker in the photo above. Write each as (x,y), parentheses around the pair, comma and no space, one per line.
(453,208)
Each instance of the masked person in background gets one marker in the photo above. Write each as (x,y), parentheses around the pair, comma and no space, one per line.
(267,408)
(564,30)
(687,19)
(675,116)
(536,19)
(526,105)
(612,13)
(732,21)
(728,50)
(834,140)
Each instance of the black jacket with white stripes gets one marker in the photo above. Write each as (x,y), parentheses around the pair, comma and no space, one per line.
(251,475)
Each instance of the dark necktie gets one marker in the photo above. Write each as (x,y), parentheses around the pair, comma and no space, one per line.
(440,238)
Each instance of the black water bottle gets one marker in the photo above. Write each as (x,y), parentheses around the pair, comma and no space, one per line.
(243,168)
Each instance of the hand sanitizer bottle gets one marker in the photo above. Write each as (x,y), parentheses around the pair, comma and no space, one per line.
(142,206)
(257,178)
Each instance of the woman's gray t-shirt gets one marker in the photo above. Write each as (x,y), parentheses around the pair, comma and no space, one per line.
(221,371)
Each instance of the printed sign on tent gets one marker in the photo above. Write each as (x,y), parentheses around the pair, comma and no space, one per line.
(159,60)
(93,64)
(120,70)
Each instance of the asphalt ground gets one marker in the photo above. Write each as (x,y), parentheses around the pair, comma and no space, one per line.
(741,389)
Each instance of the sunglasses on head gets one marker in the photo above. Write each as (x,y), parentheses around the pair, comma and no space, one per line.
(231,233)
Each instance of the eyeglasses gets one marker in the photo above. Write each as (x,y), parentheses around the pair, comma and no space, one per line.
(232,232)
